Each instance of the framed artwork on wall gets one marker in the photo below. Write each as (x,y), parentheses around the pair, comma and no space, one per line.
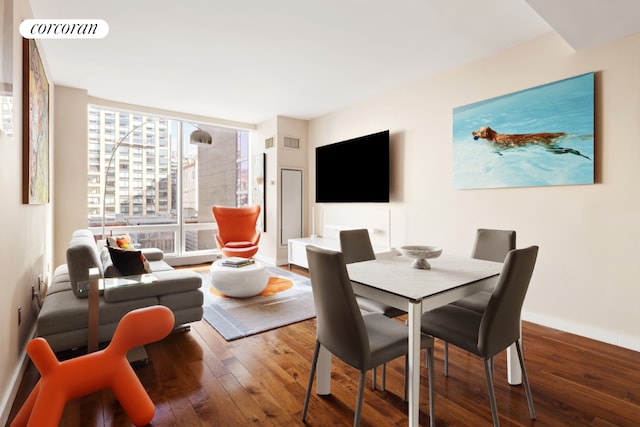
(35,126)
(535,137)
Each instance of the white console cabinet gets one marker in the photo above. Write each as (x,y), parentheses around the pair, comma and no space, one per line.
(298,248)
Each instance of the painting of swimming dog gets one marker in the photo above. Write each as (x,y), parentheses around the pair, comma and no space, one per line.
(535,137)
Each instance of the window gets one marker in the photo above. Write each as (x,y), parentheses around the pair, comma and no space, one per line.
(160,186)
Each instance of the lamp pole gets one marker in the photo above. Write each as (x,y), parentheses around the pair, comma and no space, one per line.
(106,174)
(198,136)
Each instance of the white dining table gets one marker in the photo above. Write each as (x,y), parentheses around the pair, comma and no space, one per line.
(391,279)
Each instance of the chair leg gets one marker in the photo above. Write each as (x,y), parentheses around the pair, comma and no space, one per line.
(525,380)
(446,359)
(492,395)
(356,416)
(432,412)
(312,374)
(384,376)
(373,378)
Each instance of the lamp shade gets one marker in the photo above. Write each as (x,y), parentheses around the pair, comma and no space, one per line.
(200,136)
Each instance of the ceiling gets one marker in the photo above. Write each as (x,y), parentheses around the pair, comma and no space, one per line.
(251,60)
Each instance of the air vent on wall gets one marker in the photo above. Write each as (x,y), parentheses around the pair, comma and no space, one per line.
(290,142)
(268,143)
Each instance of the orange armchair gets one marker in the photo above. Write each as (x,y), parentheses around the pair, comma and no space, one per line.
(237,235)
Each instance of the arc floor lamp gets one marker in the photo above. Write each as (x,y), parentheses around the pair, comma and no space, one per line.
(198,136)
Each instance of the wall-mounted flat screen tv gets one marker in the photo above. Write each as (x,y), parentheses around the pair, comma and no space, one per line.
(354,171)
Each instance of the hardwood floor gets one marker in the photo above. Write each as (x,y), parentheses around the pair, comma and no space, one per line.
(196,378)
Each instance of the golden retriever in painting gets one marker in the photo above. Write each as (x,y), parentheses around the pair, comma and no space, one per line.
(514,140)
(504,140)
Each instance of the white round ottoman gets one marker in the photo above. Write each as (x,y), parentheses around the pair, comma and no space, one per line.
(239,282)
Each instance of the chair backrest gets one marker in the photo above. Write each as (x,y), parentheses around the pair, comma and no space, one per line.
(356,246)
(500,324)
(339,324)
(493,245)
(236,224)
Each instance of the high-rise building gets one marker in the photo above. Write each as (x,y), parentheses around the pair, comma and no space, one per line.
(156,173)
(139,179)
(6,113)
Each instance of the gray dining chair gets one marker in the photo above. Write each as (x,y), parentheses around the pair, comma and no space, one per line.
(363,341)
(489,245)
(491,331)
(356,247)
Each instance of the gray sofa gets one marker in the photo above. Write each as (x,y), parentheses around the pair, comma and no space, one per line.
(63,318)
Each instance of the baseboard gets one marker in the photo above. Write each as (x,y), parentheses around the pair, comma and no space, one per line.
(602,335)
(10,396)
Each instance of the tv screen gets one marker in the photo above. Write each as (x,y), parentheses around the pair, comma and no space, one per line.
(354,171)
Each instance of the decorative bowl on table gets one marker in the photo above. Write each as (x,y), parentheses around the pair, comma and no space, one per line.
(420,254)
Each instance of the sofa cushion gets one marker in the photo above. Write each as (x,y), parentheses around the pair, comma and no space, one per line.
(59,286)
(82,255)
(60,280)
(153,254)
(188,315)
(154,257)
(169,282)
(182,300)
(128,262)
(64,312)
(157,266)
(61,273)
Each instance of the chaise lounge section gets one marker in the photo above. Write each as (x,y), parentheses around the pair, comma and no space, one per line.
(64,316)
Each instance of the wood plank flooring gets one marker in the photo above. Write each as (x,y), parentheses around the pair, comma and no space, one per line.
(196,378)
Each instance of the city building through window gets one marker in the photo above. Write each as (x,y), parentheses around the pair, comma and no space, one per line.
(147,179)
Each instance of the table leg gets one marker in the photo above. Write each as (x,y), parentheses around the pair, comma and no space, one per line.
(514,372)
(415,311)
(323,372)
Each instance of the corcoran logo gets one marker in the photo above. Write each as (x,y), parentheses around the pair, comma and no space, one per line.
(64,28)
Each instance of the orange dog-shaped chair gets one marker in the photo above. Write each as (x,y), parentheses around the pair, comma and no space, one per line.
(61,382)
(237,235)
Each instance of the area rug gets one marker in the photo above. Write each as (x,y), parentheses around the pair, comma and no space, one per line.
(287,299)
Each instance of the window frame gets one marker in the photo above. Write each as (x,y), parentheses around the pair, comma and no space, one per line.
(140,147)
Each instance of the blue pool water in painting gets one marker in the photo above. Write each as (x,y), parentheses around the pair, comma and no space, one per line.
(564,106)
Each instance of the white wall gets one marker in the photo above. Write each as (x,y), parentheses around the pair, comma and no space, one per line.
(278,157)
(268,240)
(26,249)
(71,157)
(586,279)
(291,159)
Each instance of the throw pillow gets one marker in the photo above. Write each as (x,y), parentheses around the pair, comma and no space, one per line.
(128,262)
(123,241)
